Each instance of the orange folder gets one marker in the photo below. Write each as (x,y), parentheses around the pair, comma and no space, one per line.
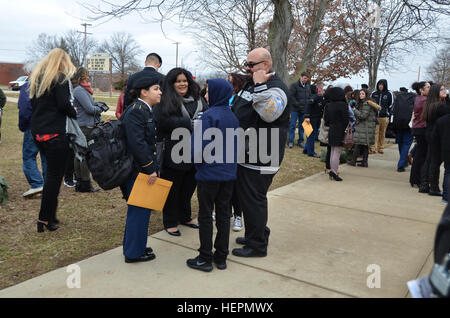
(149,196)
(308,128)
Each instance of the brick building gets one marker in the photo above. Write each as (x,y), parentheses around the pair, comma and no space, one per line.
(10,72)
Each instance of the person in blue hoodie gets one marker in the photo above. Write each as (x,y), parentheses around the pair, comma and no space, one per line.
(29,148)
(215,176)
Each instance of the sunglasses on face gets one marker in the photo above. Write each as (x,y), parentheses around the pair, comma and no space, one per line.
(251,64)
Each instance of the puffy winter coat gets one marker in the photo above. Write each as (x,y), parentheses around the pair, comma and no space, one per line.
(365,123)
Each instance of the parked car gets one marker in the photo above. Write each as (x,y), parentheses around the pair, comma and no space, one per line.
(17,84)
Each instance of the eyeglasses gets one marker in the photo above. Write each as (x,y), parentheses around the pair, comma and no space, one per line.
(251,64)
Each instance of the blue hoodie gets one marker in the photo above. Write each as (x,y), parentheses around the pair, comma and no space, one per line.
(25,108)
(219,116)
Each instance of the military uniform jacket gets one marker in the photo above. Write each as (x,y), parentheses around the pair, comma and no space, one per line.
(140,132)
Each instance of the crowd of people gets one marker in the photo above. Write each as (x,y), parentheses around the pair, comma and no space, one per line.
(153,106)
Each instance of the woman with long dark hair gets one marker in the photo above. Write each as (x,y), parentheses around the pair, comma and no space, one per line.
(180,105)
(364,136)
(435,108)
(418,131)
(50,94)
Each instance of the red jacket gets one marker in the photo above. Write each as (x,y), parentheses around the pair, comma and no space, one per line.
(419,104)
(119,108)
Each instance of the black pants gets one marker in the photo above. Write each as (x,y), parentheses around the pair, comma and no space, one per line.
(218,195)
(434,165)
(178,205)
(252,187)
(56,151)
(418,160)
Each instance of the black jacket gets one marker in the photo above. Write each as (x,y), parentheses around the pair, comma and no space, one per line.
(442,137)
(49,111)
(299,96)
(166,124)
(314,109)
(336,116)
(133,78)
(140,132)
(254,106)
(384,98)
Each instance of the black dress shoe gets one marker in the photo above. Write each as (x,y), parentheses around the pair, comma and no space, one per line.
(248,252)
(314,156)
(241,240)
(148,251)
(194,226)
(176,233)
(144,258)
(222,265)
(401,170)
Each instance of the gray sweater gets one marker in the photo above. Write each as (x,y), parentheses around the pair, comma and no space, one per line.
(87,111)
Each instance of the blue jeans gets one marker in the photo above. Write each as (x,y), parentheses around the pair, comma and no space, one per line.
(29,166)
(404,140)
(446,183)
(309,147)
(296,116)
(136,228)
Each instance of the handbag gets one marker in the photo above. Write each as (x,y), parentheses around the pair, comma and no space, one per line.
(348,137)
(323,132)
(160,149)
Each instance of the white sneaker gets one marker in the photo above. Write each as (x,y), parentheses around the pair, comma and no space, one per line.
(32,191)
(237,225)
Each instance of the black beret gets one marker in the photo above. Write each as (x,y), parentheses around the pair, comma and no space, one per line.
(146,82)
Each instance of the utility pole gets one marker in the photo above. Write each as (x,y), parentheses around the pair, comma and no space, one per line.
(176,63)
(85,42)
(418,76)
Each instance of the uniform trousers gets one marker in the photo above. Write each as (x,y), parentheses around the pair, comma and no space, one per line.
(252,187)
(218,195)
(136,228)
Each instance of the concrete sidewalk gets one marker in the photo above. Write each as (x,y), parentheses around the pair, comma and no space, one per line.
(324,236)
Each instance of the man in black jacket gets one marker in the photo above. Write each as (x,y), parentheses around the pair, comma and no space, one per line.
(300,96)
(261,107)
(385,99)
(153,63)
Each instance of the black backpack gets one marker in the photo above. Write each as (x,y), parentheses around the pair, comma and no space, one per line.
(107,158)
(403,109)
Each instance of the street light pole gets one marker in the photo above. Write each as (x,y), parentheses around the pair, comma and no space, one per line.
(176,63)
(85,42)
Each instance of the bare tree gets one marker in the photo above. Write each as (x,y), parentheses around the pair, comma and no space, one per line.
(186,10)
(439,69)
(397,31)
(43,45)
(75,46)
(71,42)
(227,32)
(123,49)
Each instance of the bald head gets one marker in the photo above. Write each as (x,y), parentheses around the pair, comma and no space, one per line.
(261,59)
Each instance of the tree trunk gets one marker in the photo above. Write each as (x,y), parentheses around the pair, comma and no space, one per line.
(279,33)
(313,37)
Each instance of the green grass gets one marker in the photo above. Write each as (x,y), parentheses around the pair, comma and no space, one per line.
(91,223)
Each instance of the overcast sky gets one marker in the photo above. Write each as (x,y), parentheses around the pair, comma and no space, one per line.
(23,20)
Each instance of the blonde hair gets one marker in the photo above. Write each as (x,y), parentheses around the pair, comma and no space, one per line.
(48,70)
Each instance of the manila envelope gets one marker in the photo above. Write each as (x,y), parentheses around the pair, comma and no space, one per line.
(149,196)
(308,128)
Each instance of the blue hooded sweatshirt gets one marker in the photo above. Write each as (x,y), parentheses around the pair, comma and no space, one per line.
(218,116)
